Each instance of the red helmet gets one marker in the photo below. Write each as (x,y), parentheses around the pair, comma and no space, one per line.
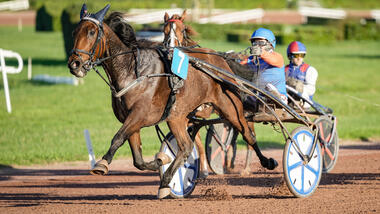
(296,47)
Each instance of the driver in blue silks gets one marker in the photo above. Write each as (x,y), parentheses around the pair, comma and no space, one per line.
(268,64)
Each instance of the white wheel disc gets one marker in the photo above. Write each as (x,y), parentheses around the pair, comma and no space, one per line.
(302,178)
(183,182)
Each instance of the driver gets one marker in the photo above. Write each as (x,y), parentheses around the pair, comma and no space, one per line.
(268,64)
(299,75)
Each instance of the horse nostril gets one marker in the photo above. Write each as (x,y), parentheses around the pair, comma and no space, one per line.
(75,64)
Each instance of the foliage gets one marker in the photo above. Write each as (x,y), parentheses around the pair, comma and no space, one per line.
(284,33)
(369,31)
(351,4)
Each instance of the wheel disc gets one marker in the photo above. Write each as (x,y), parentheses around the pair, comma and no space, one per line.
(220,138)
(330,149)
(302,178)
(184,179)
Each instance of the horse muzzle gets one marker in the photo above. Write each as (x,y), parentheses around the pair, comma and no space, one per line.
(77,68)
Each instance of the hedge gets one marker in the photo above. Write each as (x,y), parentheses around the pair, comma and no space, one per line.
(329,32)
(284,33)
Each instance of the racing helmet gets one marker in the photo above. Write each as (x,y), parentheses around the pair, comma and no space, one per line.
(296,47)
(263,33)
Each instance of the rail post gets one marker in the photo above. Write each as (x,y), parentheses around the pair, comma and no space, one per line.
(9,69)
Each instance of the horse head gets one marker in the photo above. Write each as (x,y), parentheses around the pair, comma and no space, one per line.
(89,41)
(174,29)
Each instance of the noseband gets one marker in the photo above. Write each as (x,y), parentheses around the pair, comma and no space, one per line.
(87,65)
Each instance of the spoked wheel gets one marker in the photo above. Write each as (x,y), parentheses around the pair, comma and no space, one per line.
(221,147)
(183,182)
(330,147)
(302,177)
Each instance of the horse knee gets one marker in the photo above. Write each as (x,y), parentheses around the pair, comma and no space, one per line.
(139,164)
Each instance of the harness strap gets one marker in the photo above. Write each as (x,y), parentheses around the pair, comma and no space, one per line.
(172,98)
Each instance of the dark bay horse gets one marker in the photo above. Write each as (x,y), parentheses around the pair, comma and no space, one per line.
(142,103)
(177,33)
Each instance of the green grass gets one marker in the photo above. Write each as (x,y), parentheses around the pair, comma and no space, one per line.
(47,121)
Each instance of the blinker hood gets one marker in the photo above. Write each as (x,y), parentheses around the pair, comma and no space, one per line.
(99,16)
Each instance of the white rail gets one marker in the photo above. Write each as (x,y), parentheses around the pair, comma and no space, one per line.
(155,16)
(376,15)
(9,69)
(322,12)
(14,5)
(233,17)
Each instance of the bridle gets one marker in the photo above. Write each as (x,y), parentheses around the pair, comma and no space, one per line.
(93,62)
(170,42)
(88,64)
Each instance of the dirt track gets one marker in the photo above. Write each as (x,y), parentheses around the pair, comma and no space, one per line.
(352,187)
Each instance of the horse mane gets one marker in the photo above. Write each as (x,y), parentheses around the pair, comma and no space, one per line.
(125,31)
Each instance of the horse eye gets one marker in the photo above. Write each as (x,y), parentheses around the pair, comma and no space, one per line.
(92,32)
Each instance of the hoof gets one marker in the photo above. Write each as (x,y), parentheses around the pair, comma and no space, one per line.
(100,168)
(272,164)
(203,174)
(230,170)
(163,193)
(245,172)
(163,158)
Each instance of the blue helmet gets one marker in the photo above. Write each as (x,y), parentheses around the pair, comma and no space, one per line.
(263,33)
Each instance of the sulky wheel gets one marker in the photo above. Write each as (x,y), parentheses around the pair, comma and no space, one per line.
(221,147)
(330,147)
(184,180)
(302,177)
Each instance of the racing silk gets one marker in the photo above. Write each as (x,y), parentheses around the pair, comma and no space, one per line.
(270,70)
(304,76)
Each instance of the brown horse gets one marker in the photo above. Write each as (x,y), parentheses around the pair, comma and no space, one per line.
(176,33)
(138,79)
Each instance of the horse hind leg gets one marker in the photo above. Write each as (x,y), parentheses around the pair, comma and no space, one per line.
(248,159)
(202,157)
(232,109)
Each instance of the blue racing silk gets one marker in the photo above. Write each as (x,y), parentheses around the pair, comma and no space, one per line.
(297,72)
(268,73)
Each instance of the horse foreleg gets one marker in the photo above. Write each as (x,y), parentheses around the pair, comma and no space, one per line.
(185,145)
(202,157)
(131,131)
(101,167)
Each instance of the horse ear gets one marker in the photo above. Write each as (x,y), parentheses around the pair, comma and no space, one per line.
(183,16)
(100,15)
(166,17)
(83,11)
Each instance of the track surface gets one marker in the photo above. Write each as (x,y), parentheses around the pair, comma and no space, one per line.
(352,187)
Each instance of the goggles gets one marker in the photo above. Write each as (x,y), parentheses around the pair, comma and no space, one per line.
(299,55)
(259,42)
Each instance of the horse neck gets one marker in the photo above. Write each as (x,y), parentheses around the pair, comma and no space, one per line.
(112,67)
